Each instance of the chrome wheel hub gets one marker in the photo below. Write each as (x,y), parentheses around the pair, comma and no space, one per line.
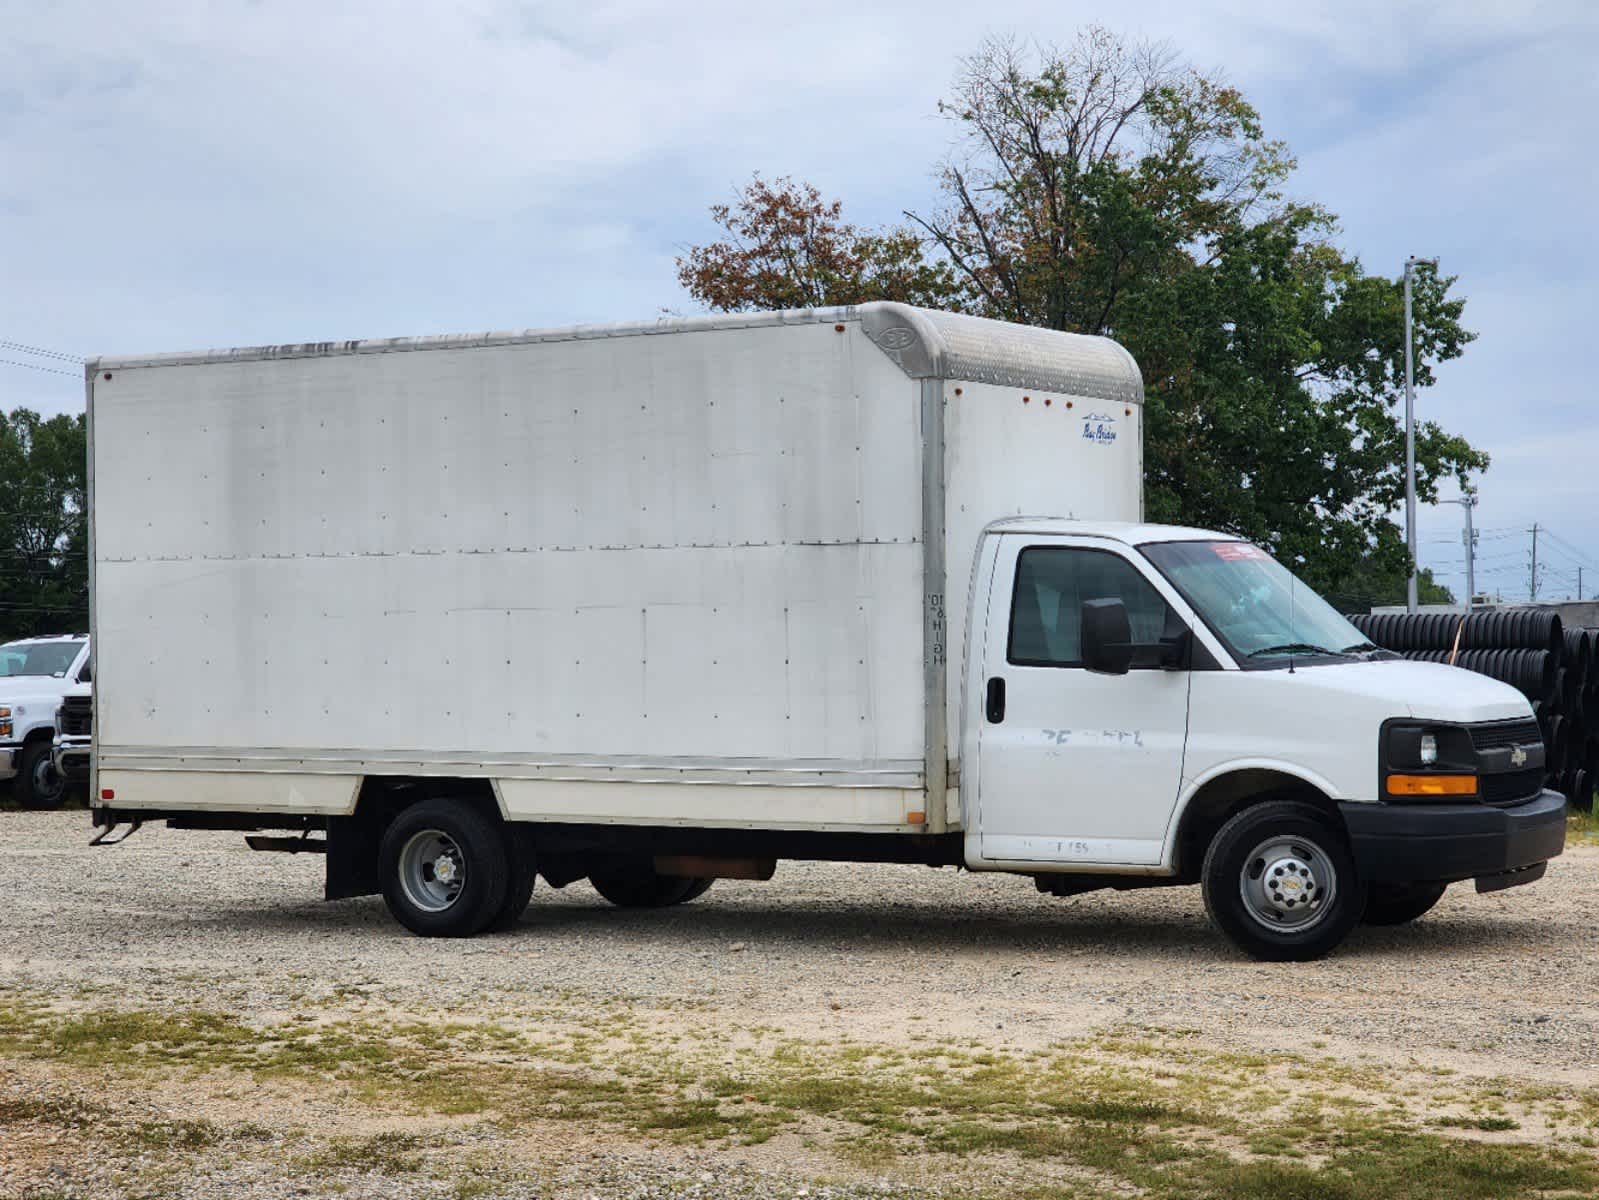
(1287,884)
(432,870)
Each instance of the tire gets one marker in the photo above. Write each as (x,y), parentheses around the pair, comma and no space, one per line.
(1399,903)
(523,871)
(1317,900)
(701,886)
(38,785)
(637,885)
(472,849)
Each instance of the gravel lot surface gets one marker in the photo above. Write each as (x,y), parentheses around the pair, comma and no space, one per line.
(1498,985)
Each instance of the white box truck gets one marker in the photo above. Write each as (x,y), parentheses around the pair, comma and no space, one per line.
(655,604)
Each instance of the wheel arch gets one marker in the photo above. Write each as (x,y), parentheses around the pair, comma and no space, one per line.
(353,840)
(1221,794)
(40,733)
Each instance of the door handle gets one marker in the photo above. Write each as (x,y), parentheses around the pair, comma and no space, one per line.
(994,704)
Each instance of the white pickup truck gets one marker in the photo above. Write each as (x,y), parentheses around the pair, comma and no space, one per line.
(655,604)
(35,675)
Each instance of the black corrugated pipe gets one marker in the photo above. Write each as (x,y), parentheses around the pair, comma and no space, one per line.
(1579,790)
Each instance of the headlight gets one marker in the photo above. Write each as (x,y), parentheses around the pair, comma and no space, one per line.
(1426,762)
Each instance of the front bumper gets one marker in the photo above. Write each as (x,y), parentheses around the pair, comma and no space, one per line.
(1444,843)
(8,761)
(71,756)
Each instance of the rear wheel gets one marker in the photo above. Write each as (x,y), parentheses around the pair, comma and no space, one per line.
(39,785)
(444,869)
(637,884)
(699,888)
(523,871)
(1399,903)
(1280,882)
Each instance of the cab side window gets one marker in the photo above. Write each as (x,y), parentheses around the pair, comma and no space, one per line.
(1046,605)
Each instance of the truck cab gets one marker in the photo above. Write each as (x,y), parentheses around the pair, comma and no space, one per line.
(1172,703)
(35,674)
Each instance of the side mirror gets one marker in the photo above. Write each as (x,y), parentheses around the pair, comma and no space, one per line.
(1107,637)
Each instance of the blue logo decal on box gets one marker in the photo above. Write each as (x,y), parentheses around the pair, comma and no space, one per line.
(1099,428)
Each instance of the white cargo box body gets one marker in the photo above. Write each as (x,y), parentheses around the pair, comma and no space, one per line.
(668,573)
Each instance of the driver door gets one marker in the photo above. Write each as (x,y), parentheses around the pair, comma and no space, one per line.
(1075,766)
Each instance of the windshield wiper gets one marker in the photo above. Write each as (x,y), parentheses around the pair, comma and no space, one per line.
(1365,650)
(1298,648)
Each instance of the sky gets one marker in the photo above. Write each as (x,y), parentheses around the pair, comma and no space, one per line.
(189,174)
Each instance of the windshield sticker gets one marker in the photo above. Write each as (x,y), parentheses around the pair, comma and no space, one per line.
(1099,428)
(1238,551)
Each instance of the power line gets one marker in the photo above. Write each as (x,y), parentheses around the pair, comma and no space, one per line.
(13,362)
(40,351)
(1567,546)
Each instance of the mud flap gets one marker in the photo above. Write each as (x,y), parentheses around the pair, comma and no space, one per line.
(352,850)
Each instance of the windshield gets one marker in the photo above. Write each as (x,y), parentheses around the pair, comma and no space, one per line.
(38,658)
(1253,603)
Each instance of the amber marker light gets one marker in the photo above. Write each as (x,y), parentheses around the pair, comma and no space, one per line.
(1432,785)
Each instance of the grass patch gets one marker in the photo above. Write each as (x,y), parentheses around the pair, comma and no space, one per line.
(1583,827)
(60,1112)
(380,1153)
(1145,1113)
(1486,1124)
(174,1135)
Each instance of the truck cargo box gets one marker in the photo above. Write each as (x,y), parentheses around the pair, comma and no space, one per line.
(710,571)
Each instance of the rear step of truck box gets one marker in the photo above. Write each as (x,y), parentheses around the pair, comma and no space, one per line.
(104,838)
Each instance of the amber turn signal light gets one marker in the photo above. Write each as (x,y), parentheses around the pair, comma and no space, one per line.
(1432,785)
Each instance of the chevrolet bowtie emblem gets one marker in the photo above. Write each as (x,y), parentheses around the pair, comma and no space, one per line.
(1518,756)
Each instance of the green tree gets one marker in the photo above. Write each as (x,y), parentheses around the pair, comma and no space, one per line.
(1369,585)
(1107,189)
(44,550)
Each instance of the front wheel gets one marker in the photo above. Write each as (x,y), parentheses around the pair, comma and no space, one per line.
(1400,903)
(1280,882)
(39,785)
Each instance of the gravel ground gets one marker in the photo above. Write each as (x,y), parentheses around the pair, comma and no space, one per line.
(1498,985)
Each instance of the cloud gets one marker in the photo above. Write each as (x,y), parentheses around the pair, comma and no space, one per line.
(219,173)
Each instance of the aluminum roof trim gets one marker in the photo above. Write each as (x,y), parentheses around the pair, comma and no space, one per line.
(463,341)
(941,345)
(925,343)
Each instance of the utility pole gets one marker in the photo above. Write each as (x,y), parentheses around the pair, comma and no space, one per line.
(1579,583)
(1469,503)
(1468,535)
(1532,575)
(1411,264)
